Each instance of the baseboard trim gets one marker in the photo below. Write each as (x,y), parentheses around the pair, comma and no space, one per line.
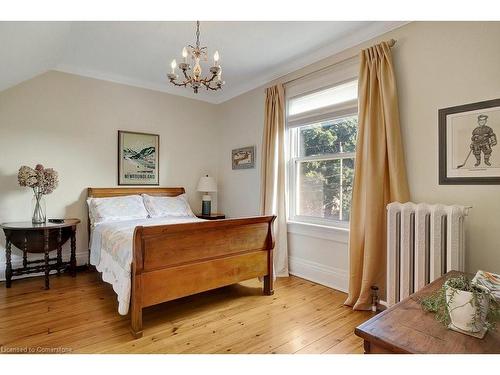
(81,259)
(332,277)
(340,235)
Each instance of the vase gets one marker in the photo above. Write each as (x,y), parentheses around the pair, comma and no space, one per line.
(38,209)
(466,313)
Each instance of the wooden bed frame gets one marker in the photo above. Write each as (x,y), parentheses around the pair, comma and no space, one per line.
(177,260)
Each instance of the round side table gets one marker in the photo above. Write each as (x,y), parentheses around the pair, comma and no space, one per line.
(39,238)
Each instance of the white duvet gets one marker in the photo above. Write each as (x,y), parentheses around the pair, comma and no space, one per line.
(111,252)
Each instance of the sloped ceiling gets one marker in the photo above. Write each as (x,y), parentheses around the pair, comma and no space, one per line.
(29,49)
(139,53)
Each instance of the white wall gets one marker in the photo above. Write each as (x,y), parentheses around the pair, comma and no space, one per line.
(241,121)
(70,123)
(438,64)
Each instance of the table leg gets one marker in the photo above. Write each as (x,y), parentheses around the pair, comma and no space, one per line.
(73,252)
(8,264)
(46,250)
(59,251)
(25,250)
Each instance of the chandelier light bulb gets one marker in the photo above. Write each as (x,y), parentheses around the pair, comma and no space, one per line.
(173,65)
(216,58)
(184,54)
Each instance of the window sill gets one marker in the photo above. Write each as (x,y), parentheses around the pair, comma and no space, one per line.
(336,234)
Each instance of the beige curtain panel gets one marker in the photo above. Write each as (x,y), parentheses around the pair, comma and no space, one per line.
(380,174)
(272,192)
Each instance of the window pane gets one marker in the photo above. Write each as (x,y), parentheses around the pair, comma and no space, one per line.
(329,137)
(347,181)
(324,188)
(334,95)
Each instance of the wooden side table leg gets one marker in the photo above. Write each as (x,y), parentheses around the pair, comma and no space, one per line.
(46,250)
(73,252)
(59,251)
(8,264)
(25,250)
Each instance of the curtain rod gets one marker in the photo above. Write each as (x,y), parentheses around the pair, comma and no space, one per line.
(390,43)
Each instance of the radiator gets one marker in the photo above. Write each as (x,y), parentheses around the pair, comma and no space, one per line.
(424,242)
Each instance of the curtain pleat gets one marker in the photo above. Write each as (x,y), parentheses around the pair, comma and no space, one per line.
(272,192)
(380,174)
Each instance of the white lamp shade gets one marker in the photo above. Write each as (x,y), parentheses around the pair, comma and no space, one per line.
(207,184)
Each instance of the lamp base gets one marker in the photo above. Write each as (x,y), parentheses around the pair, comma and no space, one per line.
(206,205)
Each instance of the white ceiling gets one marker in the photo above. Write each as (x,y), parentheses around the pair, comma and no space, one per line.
(139,53)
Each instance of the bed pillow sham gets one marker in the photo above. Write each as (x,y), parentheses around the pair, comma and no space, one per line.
(128,207)
(167,206)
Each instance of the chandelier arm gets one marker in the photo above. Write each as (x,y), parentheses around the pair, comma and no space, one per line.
(179,84)
(186,76)
(208,85)
(207,81)
(214,88)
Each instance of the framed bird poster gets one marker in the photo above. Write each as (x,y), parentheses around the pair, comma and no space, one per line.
(138,158)
(469,153)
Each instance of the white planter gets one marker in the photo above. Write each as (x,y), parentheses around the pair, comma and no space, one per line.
(462,311)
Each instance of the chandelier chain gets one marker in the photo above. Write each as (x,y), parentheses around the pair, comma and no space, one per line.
(198,34)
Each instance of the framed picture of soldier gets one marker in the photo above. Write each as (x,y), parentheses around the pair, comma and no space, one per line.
(138,158)
(469,153)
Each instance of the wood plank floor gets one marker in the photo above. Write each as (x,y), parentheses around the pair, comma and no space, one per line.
(79,315)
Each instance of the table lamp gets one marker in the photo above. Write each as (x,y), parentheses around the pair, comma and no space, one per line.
(206,185)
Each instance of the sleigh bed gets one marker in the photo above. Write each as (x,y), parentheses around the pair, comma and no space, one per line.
(170,261)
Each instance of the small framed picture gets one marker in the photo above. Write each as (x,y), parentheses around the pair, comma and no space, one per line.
(469,153)
(138,158)
(243,158)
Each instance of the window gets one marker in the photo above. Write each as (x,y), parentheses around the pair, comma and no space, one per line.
(324,98)
(322,131)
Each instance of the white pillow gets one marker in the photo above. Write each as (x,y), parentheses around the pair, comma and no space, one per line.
(167,206)
(116,208)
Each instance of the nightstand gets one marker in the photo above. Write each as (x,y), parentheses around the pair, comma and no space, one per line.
(212,216)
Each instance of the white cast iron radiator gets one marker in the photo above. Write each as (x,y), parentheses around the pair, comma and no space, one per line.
(424,241)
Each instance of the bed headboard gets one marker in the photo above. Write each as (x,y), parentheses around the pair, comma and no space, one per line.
(117,192)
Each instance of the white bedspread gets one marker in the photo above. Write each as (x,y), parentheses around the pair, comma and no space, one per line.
(111,252)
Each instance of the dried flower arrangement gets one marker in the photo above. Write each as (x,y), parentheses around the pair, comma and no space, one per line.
(43,181)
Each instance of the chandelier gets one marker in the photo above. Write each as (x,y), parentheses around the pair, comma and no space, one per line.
(192,76)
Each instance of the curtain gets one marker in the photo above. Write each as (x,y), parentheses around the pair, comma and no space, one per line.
(380,174)
(272,192)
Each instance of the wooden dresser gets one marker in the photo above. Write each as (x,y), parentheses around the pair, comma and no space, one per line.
(406,328)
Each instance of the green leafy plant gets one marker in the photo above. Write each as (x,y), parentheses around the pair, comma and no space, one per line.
(437,303)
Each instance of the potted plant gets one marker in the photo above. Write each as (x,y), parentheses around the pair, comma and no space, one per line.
(43,181)
(464,306)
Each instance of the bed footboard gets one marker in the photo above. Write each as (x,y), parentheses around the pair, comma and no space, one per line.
(177,260)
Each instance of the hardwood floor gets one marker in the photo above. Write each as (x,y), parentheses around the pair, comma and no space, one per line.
(80,315)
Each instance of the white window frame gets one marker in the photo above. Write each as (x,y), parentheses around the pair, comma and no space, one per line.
(294,123)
